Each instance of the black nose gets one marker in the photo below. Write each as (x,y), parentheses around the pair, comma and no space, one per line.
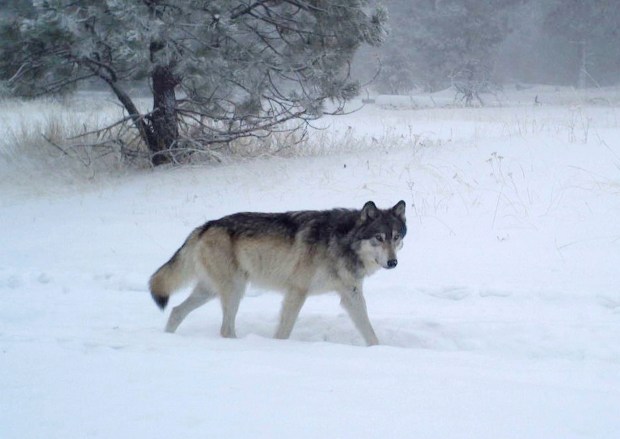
(392,263)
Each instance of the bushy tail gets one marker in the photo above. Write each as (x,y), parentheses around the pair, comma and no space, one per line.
(176,273)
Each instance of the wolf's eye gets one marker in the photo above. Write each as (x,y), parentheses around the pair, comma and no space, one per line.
(396,237)
(379,238)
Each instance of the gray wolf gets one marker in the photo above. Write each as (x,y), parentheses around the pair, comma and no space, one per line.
(297,253)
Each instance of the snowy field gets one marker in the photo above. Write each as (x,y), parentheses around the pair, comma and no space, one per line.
(502,319)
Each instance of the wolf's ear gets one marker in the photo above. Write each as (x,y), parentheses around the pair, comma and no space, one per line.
(369,211)
(399,210)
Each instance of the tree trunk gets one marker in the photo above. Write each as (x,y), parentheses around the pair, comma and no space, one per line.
(146,133)
(582,81)
(164,119)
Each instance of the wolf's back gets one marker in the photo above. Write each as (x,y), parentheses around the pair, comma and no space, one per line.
(176,273)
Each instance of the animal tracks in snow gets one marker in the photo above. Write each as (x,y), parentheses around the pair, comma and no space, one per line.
(457,293)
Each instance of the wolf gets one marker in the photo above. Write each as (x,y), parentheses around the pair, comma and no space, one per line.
(298,253)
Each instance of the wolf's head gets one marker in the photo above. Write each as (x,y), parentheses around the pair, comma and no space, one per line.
(380,234)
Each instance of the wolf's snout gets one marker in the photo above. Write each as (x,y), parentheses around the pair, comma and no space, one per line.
(392,263)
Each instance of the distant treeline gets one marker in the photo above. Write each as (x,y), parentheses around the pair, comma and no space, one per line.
(480,43)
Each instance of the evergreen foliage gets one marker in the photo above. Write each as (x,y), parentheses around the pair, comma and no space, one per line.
(227,68)
(592,29)
(436,43)
(474,44)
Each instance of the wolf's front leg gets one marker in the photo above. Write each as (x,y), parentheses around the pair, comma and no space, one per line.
(353,301)
(293,301)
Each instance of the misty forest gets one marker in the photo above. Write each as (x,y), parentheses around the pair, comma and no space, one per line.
(127,124)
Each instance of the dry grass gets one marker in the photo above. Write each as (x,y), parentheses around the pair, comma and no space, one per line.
(60,145)
(57,139)
(60,139)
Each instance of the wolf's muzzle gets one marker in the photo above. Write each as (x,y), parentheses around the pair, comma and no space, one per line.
(392,263)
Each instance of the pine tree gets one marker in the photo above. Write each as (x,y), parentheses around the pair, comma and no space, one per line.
(228,68)
(457,40)
(444,42)
(398,71)
(591,28)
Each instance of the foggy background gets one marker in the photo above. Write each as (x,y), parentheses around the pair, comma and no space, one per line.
(483,44)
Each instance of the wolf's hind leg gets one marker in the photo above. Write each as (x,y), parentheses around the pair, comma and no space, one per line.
(354,303)
(293,301)
(199,296)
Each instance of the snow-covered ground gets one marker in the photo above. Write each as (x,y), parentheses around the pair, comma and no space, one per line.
(502,319)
